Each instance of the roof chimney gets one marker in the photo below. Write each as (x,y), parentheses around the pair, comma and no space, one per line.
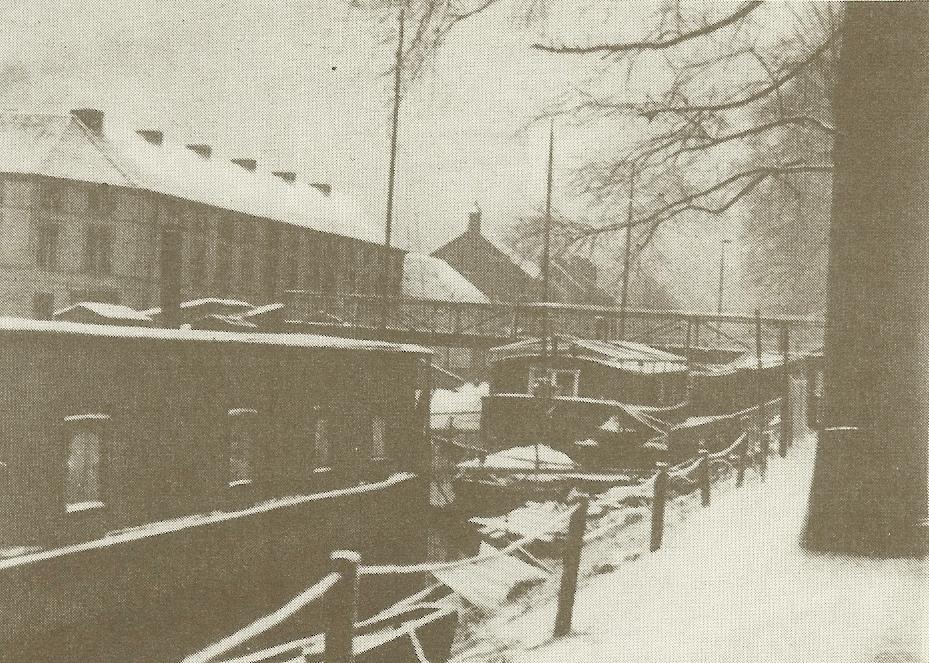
(153,136)
(474,220)
(322,186)
(90,118)
(203,150)
(286,175)
(247,164)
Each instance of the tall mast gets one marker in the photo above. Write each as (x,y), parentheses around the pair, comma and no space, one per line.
(624,302)
(385,275)
(547,246)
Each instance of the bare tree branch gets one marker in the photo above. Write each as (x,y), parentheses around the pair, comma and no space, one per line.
(659,44)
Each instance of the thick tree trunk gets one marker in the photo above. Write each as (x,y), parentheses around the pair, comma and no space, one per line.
(869,488)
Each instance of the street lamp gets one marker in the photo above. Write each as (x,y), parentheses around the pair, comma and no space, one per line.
(722,274)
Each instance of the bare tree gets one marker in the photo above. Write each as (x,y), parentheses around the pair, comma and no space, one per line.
(711,106)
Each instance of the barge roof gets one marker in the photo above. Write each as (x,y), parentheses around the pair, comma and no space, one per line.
(288,340)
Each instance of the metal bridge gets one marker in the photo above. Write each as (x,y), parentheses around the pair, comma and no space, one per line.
(466,330)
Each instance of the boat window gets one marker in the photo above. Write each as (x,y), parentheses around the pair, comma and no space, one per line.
(242,446)
(83,487)
(321,442)
(562,382)
(378,437)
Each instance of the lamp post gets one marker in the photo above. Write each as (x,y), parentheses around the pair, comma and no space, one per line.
(722,273)
(722,281)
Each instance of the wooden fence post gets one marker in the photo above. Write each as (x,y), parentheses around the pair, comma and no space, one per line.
(743,459)
(759,387)
(703,475)
(342,604)
(658,504)
(786,422)
(572,561)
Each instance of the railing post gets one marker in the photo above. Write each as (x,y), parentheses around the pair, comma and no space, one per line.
(342,605)
(743,459)
(759,388)
(786,422)
(703,475)
(572,561)
(658,504)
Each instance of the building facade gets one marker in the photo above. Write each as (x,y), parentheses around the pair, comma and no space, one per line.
(85,203)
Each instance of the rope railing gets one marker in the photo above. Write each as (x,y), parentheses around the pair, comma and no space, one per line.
(404,569)
(339,588)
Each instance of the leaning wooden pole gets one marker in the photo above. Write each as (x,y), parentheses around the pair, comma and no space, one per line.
(868,494)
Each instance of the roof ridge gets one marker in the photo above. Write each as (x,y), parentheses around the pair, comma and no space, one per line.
(92,139)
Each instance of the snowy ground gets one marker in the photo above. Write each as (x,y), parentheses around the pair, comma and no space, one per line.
(731,585)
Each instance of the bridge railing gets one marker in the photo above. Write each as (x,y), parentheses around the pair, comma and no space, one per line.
(508,320)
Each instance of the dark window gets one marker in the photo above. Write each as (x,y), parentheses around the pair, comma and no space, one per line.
(43,305)
(51,196)
(101,200)
(98,251)
(47,246)
(272,260)
(101,296)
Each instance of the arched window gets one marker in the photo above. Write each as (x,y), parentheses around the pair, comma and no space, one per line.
(378,437)
(321,442)
(241,447)
(83,489)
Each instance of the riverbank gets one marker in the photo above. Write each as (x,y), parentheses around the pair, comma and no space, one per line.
(731,584)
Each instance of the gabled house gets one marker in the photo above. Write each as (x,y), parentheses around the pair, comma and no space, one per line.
(503,275)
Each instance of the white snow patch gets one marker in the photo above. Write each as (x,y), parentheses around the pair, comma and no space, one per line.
(732,585)
(519,458)
(431,278)
(460,406)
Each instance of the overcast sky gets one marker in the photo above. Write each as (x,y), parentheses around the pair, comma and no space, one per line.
(299,85)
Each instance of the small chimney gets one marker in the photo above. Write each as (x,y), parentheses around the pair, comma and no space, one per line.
(203,150)
(90,118)
(286,175)
(247,164)
(474,220)
(153,136)
(322,186)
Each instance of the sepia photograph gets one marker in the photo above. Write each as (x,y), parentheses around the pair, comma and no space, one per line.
(464,331)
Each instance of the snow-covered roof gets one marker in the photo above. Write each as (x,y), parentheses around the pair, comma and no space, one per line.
(263,310)
(745,362)
(60,145)
(206,336)
(622,355)
(108,311)
(224,303)
(520,458)
(428,277)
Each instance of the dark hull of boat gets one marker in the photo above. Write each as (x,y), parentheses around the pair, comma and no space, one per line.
(164,595)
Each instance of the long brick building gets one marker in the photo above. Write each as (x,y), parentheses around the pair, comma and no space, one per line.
(86,205)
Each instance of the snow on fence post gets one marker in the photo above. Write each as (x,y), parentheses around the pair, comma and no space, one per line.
(658,504)
(703,474)
(342,604)
(572,562)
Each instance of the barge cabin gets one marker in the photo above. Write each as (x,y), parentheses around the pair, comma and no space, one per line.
(160,485)
(589,381)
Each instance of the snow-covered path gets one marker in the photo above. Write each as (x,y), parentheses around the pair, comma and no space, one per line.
(732,585)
